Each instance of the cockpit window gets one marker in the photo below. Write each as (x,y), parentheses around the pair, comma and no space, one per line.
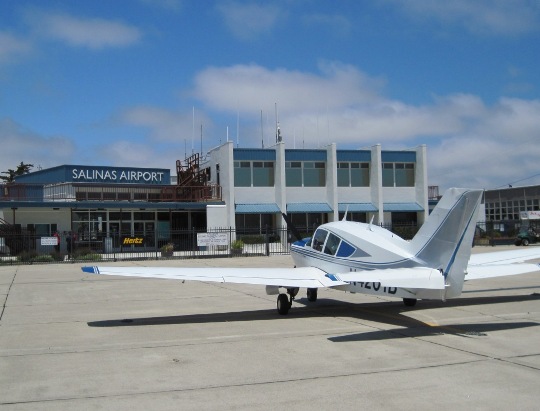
(318,239)
(345,250)
(332,244)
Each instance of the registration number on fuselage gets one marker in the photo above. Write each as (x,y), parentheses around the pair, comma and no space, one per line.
(374,287)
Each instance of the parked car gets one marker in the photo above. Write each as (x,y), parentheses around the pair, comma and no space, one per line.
(527,236)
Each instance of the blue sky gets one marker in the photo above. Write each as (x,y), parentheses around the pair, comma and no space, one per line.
(131,82)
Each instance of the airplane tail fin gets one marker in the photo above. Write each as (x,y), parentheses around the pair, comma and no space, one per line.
(445,240)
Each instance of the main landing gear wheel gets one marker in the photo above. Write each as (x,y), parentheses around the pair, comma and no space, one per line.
(409,302)
(283,304)
(312,294)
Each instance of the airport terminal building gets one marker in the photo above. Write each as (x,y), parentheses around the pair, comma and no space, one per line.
(236,188)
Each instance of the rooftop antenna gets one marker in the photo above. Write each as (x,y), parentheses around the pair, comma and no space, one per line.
(327,125)
(227,134)
(278,131)
(201,141)
(193,132)
(238,128)
(262,131)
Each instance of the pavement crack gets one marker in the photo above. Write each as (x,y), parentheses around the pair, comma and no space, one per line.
(7,294)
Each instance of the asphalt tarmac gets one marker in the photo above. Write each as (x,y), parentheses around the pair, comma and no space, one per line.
(76,341)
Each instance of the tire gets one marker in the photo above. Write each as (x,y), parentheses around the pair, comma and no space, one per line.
(283,304)
(409,302)
(312,294)
(518,242)
(525,242)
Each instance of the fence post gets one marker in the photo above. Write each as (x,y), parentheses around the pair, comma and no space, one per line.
(267,240)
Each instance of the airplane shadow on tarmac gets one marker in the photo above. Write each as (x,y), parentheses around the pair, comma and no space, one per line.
(391,313)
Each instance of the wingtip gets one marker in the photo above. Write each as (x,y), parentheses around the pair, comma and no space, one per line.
(90,270)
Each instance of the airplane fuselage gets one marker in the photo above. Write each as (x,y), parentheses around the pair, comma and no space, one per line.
(346,246)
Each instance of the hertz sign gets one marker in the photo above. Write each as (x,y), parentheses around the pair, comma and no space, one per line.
(132,241)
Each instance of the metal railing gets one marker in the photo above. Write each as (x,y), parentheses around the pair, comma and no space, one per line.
(109,192)
(19,246)
(25,247)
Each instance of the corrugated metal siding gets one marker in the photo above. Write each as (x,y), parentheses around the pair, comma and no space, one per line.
(246,154)
(269,208)
(309,208)
(353,155)
(403,207)
(305,155)
(398,156)
(356,207)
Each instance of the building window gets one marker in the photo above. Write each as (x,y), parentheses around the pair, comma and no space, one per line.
(256,174)
(242,174)
(353,174)
(343,175)
(293,173)
(263,174)
(305,174)
(398,175)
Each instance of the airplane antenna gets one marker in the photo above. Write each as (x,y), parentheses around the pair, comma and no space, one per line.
(371,222)
(346,211)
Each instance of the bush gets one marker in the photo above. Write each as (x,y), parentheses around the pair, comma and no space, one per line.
(90,257)
(27,256)
(237,245)
(43,258)
(57,256)
(259,238)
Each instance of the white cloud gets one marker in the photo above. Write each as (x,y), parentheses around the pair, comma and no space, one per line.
(247,21)
(166,125)
(469,143)
(93,33)
(12,47)
(20,144)
(252,87)
(499,17)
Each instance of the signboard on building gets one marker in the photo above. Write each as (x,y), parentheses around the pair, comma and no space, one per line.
(530,215)
(119,175)
(49,241)
(210,239)
(136,240)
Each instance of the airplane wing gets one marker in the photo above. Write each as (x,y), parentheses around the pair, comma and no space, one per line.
(502,263)
(308,277)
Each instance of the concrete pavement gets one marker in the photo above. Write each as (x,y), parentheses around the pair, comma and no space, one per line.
(69,340)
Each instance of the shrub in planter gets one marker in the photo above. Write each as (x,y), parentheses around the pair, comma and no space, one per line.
(167,250)
(237,246)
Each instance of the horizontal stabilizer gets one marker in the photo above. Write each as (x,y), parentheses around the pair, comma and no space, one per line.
(309,277)
(477,272)
(419,277)
(506,257)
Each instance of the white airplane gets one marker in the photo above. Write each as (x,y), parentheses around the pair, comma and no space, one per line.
(365,258)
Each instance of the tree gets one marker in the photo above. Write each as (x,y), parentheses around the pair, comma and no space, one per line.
(12,174)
